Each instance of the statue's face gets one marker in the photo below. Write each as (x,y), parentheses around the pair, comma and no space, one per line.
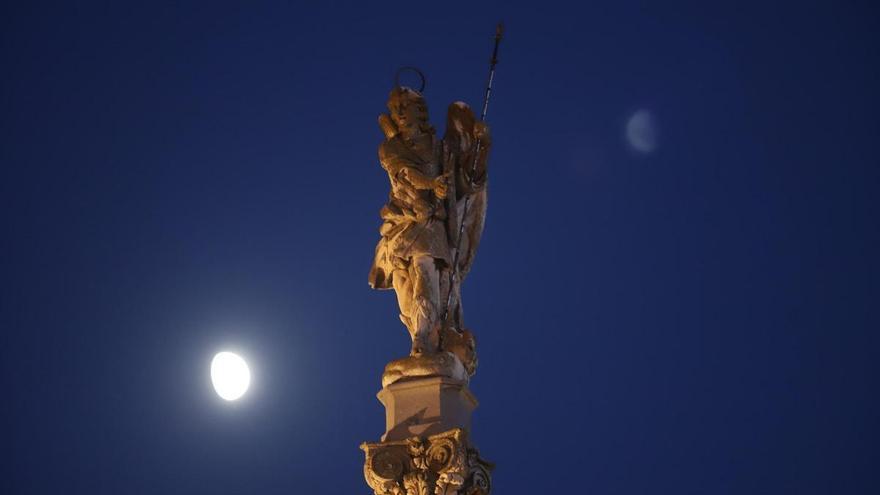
(409,114)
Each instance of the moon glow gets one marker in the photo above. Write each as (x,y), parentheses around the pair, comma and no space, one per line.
(230,375)
(641,132)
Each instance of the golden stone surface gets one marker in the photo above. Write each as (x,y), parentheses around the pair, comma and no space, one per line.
(431,226)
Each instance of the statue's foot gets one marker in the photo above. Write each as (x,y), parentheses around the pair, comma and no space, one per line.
(423,366)
(425,342)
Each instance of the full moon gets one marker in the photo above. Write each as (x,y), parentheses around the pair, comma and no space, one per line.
(230,375)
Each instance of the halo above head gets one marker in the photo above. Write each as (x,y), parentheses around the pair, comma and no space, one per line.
(413,69)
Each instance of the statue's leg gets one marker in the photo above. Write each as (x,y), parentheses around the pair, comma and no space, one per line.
(426,292)
(403,288)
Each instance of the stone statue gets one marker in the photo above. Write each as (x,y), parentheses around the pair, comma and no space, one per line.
(431,227)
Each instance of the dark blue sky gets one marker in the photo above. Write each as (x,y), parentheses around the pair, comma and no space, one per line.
(180,179)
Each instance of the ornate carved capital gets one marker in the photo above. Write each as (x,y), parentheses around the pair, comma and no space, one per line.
(442,464)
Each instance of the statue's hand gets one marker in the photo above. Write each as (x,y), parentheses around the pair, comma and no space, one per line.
(481,132)
(441,185)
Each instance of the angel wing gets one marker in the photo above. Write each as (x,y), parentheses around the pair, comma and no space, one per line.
(465,157)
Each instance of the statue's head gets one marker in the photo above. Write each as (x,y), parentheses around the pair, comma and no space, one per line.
(409,112)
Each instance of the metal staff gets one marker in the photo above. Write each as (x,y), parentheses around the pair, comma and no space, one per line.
(477,148)
(492,63)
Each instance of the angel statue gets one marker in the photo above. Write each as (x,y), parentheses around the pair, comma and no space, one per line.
(431,227)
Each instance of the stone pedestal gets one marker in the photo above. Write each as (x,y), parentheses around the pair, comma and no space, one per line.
(426,406)
(426,448)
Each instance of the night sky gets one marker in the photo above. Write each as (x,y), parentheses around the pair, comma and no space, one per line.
(694,311)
